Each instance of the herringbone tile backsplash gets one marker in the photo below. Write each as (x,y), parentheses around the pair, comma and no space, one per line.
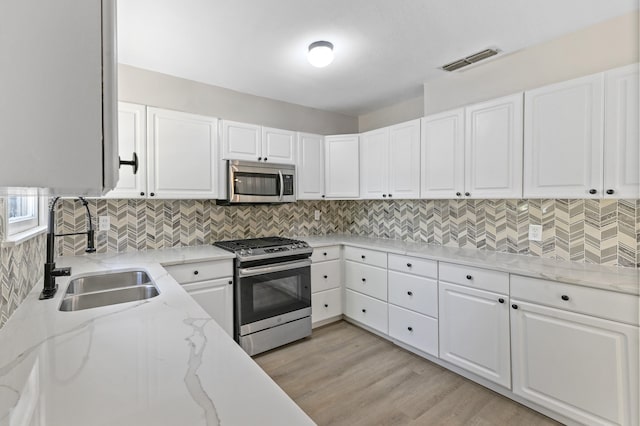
(592,231)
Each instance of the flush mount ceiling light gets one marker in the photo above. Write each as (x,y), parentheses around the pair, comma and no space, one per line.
(320,54)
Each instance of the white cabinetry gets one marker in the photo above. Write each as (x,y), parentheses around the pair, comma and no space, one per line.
(211,286)
(310,167)
(58,96)
(576,364)
(390,162)
(132,140)
(181,154)
(474,324)
(250,142)
(621,138)
(326,285)
(474,152)
(342,171)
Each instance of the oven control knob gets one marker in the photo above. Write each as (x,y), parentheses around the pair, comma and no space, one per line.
(242,252)
(249,251)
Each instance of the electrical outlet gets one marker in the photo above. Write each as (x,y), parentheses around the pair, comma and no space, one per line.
(316,215)
(104,223)
(535,232)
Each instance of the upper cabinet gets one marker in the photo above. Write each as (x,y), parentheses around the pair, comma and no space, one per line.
(581,137)
(475,152)
(621,139)
(58,102)
(390,162)
(342,171)
(181,154)
(564,139)
(310,167)
(249,142)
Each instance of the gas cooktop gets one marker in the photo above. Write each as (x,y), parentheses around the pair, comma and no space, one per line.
(264,248)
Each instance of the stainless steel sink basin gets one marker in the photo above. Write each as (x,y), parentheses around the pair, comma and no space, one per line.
(108,289)
(108,281)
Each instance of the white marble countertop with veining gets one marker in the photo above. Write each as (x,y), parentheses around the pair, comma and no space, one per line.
(162,361)
(618,279)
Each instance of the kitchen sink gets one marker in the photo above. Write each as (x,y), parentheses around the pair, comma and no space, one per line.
(108,289)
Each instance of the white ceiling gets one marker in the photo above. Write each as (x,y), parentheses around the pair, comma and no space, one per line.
(384,49)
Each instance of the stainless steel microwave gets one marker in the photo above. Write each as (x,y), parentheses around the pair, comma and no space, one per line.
(260,183)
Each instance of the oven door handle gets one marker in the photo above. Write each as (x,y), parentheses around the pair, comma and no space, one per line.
(261,270)
(281,184)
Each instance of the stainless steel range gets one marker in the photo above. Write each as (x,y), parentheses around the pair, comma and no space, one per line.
(272,291)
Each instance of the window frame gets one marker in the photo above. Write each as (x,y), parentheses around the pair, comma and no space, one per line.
(22,229)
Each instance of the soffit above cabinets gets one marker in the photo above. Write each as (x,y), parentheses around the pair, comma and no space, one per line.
(384,50)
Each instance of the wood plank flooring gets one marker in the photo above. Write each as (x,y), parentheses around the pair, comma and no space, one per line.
(344,375)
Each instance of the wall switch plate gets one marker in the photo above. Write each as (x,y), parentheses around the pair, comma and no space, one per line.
(104,223)
(535,232)
(316,215)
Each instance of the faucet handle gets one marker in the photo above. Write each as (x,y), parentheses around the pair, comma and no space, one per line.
(61,272)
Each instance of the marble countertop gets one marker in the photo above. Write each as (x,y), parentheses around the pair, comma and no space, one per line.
(622,280)
(162,361)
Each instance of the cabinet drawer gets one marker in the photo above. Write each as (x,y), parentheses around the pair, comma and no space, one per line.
(369,280)
(590,301)
(325,253)
(469,276)
(200,271)
(415,293)
(326,304)
(414,329)
(368,257)
(414,265)
(367,310)
(325,275)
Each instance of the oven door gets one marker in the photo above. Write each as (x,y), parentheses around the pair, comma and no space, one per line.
(273,294)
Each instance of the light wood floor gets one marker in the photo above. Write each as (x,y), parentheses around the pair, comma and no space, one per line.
(344,375)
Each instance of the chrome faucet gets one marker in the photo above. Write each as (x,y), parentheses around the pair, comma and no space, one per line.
(50,271)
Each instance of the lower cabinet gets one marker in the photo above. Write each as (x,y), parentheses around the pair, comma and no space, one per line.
(215,297)
(583,367)
(474,331)
(367,310)
(414,329)
(326,304)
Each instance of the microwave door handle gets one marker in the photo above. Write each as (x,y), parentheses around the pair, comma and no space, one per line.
(281,184)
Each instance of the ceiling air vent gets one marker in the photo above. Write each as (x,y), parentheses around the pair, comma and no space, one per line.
(471,59)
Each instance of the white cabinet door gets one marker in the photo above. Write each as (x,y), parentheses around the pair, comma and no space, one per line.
(493,148)
(474,331)
(58,96)
(342,171)
(442,153)
(181,154)
(374,164)
(563,139)
(310,167)
(326,304)
(278,146)
(132,138)
(621,139)
(216,298)
(241,141)
(583,367)
(404,160)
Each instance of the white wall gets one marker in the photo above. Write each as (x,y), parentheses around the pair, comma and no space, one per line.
(160,90)
(606,45)
(398,113)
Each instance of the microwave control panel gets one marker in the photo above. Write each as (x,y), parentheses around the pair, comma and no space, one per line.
(288,184)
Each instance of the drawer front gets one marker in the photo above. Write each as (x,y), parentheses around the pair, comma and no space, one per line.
(590,301)
(414,329)
(414,293)
(325,275)
(200,271)
(483,279)
(369,280)
(326,304)
(414,265)
(367,310)
(325,253)
(367,257)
